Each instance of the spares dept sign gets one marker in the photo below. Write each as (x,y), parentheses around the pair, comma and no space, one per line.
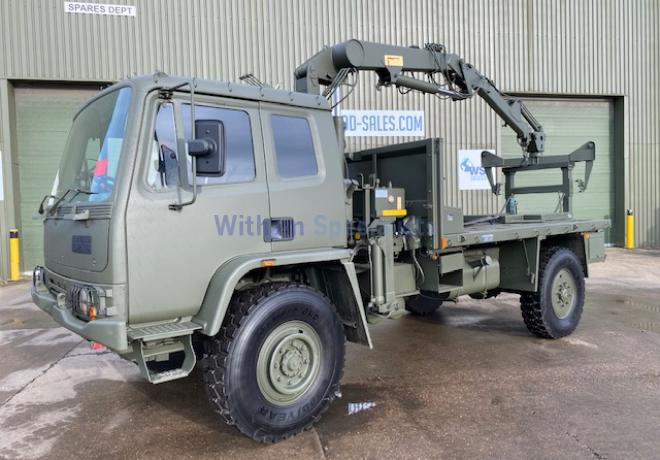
(383,122)
(103,9)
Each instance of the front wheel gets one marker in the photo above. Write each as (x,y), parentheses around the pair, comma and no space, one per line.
(555,310)
(275,365)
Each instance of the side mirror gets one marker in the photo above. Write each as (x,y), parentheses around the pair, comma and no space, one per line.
(208,147)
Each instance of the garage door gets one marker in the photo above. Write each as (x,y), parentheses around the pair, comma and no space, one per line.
(43,118)
(569,123)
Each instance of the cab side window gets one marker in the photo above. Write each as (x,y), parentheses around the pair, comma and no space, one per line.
(162,171)
(294,146)
(239,149)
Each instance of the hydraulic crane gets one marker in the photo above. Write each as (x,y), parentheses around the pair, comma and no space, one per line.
(397,65)
(331,66)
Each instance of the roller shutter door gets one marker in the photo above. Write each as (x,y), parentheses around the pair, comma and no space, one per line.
(43,119)
(569,123)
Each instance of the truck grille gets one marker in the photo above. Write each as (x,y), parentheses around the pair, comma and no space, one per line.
(96,211)
(72,299)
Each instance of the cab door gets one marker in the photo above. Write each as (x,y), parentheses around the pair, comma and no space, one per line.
(305,178)
(172,255)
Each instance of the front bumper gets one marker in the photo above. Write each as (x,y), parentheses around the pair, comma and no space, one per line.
(109,332)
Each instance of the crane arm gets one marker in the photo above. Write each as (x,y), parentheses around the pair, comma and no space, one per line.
(331,66)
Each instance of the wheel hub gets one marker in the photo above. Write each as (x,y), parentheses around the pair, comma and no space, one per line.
(288,362)
(563,293)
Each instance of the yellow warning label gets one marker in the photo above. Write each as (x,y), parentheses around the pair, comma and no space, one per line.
(393,60)
(394,212)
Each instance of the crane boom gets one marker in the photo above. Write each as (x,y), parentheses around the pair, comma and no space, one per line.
(331,66)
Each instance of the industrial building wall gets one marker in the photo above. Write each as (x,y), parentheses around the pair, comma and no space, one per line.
(536,47)
(3,211)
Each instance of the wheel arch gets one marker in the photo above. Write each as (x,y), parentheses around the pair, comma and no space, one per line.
(330,271)
(338,281)
(519,259)
(572,241)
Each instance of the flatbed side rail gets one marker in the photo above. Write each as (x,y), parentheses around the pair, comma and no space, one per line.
(494,233)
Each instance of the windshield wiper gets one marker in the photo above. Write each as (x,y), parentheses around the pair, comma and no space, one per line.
(54,206)
(76,192)
(83,191)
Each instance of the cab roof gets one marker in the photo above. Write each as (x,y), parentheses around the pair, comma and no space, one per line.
(160,80)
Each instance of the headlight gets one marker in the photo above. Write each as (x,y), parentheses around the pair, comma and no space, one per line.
(85,303)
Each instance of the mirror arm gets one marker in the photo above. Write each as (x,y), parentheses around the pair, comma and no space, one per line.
(200,147)
(180,205)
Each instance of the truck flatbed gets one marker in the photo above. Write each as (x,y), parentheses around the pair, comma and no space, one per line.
(481,233)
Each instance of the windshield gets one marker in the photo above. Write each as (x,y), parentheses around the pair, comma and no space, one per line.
(91,157)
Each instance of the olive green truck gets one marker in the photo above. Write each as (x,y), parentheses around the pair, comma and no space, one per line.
(224,223)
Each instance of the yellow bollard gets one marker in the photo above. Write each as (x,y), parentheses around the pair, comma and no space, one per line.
(630,229)
(14,256)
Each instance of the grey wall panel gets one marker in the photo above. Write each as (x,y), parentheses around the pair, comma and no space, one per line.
(587,47)
(4,230)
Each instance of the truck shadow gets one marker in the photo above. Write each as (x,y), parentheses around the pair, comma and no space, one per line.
(187,398)
(496,320)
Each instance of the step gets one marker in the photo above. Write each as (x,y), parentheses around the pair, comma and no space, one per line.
(141,354)
(162,331)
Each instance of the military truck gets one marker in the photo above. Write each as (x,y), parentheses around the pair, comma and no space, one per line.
(225,222)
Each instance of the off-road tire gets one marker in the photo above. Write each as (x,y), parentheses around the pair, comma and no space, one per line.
(423,304)
(231,358)
(537,308)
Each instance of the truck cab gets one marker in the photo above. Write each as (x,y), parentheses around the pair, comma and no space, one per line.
(119,251)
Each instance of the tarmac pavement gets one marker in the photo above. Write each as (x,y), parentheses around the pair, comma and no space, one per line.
(468,382)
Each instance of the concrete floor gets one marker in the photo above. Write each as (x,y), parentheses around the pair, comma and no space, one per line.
(468,382)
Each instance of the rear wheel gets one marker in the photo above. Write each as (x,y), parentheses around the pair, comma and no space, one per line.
(275,365)
(555,310)
(424,303)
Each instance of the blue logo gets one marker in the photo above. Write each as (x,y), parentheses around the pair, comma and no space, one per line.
(472,170)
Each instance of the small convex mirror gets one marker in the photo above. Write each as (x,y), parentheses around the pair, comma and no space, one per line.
(208,147)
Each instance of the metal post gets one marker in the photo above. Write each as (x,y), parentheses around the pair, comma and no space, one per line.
(567,185)
(14,256)
(377,275)
(509,185)
(630,229)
